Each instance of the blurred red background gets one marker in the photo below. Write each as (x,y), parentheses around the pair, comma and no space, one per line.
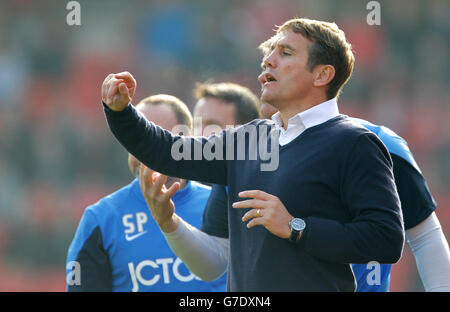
(57,155)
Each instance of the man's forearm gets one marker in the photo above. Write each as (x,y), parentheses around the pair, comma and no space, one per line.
(375,232)
(152,145)
(432,254)
(356,242)
(206,256)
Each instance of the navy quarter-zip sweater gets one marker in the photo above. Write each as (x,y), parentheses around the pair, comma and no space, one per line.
(337,176)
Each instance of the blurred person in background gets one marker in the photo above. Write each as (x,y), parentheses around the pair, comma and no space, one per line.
(222,105)
(118,247)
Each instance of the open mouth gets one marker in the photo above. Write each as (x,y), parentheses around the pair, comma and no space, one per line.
(269,78)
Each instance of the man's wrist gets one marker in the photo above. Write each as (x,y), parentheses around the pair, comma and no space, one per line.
(296,226)
(170,225)
(114,108)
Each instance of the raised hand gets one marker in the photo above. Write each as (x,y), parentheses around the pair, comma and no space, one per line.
(118,90)
(159,198)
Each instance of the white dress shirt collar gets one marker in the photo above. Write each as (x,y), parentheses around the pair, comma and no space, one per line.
(309,118)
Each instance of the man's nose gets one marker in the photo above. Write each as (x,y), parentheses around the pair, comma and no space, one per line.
(269,60)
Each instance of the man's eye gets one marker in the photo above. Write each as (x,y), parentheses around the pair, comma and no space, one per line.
(285,53)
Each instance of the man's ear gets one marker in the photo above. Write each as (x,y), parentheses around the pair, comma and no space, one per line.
(323,74)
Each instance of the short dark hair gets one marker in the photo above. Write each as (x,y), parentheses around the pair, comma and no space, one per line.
(246,102)
(181,111)
(328,46)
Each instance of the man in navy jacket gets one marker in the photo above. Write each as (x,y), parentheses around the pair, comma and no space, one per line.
(318,188)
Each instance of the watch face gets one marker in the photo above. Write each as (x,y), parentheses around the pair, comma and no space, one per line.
(298,224)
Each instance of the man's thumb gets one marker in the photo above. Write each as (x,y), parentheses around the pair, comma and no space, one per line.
(123,90)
